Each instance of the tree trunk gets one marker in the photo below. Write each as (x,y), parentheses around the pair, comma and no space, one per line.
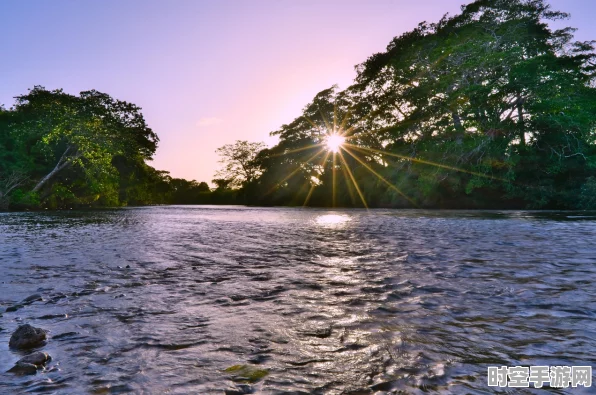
(62,163)
(458,127)
(520,122)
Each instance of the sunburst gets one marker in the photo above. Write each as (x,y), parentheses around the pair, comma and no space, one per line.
(334,139)
(334,142)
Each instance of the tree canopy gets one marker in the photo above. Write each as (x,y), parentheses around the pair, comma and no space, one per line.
(238,163)
(488,108)
(60,150)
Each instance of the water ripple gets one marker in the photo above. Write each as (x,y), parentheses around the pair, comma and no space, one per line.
(160,299)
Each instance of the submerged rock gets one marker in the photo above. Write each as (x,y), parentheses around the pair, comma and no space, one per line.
(14,308)
(21,368)
(25,302)
(30,363)
(37,358)
(32,298)
(247,373)
(27,336)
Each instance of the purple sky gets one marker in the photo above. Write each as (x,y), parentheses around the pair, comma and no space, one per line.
(207,73)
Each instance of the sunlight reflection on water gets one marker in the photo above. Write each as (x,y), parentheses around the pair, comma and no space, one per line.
(332,220)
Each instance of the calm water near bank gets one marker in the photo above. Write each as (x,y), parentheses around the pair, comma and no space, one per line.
(164,299)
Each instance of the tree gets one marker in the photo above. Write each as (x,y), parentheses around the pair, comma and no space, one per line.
(486,108)
(238,160)
(203,187)
(493,91)
(221,184)
(187,192)
(8,183)
(84,132)
(59,150)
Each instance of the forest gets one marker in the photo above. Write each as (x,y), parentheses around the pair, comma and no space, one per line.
(63,151)
(490,108)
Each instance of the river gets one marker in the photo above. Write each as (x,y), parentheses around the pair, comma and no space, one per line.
(165,299)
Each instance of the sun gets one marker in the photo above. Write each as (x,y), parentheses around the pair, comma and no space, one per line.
(334,142)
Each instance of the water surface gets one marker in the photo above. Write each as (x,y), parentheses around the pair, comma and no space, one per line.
(164,299)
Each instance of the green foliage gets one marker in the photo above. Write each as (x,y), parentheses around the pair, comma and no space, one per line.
(24,199)
(60,197)
(488,108)
(587,196)
(62,151)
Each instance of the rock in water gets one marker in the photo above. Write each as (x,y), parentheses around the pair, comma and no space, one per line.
(37,358)
(27,336)
(32,298)
(23,368)
(31,363)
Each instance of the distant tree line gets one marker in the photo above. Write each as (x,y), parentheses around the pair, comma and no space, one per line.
(489,108)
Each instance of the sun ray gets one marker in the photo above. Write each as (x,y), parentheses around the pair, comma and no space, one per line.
(333,191)
(336,138)
(353,179)
(334,118)
(304,189)
(326,122)
(310,191)
(380,177)
(298,149)
(348,185)
(294,172)
(344,121)
(314,125)
(426,162)
(347,132)
(331,142)
(312,187)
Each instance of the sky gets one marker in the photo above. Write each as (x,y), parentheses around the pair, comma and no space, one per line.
(209,72)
